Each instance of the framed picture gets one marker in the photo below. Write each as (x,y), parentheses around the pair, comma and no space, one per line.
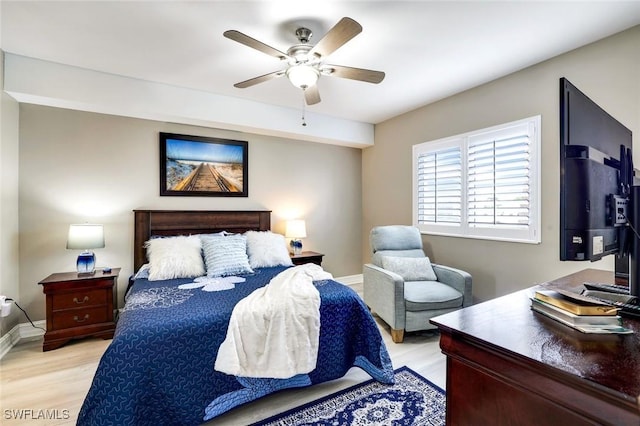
(203,166)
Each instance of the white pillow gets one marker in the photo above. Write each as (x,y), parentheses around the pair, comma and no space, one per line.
(174,257)
(267,249)
(410,268)
(225,255)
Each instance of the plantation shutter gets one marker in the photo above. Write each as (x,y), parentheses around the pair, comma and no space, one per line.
(440,186)
(498,182)
(481,184)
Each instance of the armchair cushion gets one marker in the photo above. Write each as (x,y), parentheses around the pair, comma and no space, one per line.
(395,237)
(410,268)
(430,295)
(376,258)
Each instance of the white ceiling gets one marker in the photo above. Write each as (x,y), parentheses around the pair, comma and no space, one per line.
(428,49)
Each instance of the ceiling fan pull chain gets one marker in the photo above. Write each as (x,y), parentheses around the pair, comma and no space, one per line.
(304,108)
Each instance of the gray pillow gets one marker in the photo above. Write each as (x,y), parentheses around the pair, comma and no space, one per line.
(410,268)
(225,255)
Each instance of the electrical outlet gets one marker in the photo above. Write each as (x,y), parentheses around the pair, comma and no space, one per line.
(5,306)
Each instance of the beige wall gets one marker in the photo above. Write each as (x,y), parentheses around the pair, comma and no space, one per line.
(607,71)
(86,167)
(8,203)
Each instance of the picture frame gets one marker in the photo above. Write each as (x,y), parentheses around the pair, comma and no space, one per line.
(203,166)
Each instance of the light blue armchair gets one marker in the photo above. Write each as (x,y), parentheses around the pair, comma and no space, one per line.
(404,288)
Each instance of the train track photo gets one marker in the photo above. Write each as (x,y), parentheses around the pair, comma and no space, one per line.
(206,177)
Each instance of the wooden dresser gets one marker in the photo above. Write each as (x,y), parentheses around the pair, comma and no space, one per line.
(79,306)
(509,365)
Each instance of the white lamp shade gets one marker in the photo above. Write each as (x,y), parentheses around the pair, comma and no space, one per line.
(85,236)
(296,229)
(302,76)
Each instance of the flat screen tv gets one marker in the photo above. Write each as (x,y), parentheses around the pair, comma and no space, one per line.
(596,176)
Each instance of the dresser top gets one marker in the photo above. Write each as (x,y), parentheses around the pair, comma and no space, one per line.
(74,276)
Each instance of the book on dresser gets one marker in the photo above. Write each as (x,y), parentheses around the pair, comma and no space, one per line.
(573,319)
(598,321)
(575,303)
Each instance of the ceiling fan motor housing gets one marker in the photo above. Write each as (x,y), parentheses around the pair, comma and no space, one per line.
(304,35)
(300,53)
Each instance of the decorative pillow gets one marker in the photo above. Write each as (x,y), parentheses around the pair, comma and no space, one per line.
(174,257)
(225,255)
(143,272)
(267,249)
(410,268)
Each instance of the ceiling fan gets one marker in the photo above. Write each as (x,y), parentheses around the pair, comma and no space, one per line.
(305,62)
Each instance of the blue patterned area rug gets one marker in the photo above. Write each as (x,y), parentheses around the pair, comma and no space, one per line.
(412,400)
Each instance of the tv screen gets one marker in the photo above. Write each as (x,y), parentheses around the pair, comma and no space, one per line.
(595,177)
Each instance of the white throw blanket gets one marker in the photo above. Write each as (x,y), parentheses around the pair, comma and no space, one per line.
(274,332)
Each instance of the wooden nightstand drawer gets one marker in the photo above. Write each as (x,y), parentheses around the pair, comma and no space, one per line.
(79,306)
(79,317)
(79,299)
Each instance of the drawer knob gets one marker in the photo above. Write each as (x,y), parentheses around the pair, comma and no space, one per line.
(76,319)
(85,300)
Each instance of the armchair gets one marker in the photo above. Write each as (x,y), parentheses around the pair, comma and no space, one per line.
(404,288)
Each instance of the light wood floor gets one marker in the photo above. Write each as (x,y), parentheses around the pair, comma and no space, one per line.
(58,380)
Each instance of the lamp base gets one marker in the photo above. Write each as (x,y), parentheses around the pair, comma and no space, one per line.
(296,246)
(86,264)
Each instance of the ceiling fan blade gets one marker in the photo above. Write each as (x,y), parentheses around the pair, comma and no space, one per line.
(312,95)
(257,80)
(370,76)
(254,44)
(342,32)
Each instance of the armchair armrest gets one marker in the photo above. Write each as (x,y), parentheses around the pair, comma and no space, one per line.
(384,294)
(456,278)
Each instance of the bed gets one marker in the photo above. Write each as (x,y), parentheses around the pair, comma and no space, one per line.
(159,368)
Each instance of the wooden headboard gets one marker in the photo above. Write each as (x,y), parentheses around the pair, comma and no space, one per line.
(150,223)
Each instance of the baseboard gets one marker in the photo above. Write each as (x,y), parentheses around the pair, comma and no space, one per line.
(9,340)
(27,330)
(350,279)
(19,332)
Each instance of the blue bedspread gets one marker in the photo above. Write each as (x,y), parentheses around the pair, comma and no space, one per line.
(159,367)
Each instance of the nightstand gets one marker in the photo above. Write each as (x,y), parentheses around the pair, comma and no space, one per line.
(79,306)
(307,257)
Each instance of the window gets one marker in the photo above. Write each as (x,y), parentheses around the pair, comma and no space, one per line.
(482,184)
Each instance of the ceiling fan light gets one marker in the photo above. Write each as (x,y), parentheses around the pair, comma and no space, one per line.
(303,76)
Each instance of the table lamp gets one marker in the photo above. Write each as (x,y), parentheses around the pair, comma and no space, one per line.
(296,230)
(85,237)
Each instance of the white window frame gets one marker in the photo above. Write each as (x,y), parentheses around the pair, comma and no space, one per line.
(527,234)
